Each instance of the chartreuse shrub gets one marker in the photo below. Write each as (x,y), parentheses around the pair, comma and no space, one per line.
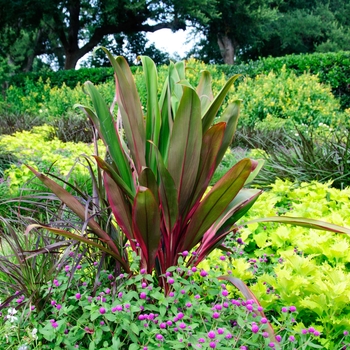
(289,265)
(332,68)
(283,99)
(39,147)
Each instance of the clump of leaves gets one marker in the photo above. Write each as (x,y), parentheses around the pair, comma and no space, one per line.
(155,179)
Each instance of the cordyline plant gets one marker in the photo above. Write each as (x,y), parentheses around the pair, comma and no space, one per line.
(157,178)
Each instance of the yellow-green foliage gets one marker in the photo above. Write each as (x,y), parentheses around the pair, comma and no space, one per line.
(313,272)
(40,149)
(285,97)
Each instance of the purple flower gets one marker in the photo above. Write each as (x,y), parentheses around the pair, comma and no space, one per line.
(271,345)
(58,306)
(228,336)
(159,337)
(265,334)
(171,280)
(180,315)
(311,329)
(201,340)
(169,323)
(317,333)
(224,293)
(212,345)
(345,333)
(194,269)
(110,277)
(53,302)
(162,325)
(102,310)
(188,305)
(284,309)
(249,307)
(143,295)
(263,320)
(182,325)
(171,294)
(223,258)
(185,253)
(211,335)
(292,308)
(204,273)
(291,338)
(143,271)
(255,328)
(78,296)
(278,338)
(117,308)
(54,324)
(216,315)
(102,323)
(221,330)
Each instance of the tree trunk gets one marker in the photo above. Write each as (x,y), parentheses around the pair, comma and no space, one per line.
(72,59)
(227,49)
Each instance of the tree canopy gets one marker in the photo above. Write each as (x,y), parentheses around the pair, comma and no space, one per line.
(68,29)
(253,28)
(65,30)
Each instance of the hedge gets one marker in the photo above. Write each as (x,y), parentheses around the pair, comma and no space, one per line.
(332,68)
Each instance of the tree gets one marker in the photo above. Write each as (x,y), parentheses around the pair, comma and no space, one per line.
(248,29)
(241,24)
(305,27)
(71,28)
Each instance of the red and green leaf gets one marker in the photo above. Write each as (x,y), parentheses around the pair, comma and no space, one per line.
(109,134)
(211,144)
(81,239)
(230,117)
(305,222)
(185,146)
(146,225)
(153,119)
(213,109)
(129,106)
(204,90)
(121,207)
(216,201)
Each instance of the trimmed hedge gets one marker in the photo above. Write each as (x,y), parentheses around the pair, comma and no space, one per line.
(70,77)
(332,68)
